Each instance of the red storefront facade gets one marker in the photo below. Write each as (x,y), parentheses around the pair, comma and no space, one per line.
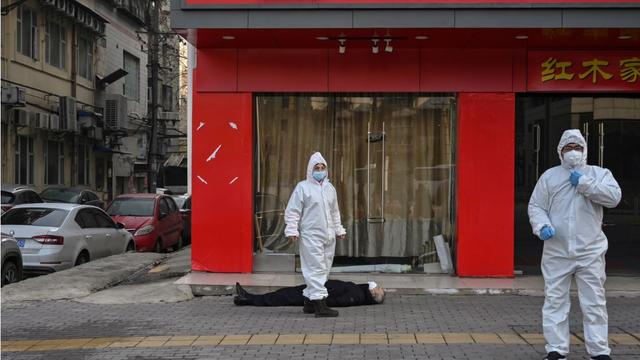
(484,54)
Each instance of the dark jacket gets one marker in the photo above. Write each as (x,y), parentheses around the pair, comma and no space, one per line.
(341,294)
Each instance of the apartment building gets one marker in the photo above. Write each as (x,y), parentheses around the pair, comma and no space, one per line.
(75,94)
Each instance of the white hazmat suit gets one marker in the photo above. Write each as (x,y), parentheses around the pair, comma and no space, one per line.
(577,249)
(313,215)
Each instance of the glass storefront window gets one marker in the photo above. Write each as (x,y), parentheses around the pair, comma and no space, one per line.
(390,158)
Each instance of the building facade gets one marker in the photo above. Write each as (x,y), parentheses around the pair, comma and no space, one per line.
(82,117)
(436,118)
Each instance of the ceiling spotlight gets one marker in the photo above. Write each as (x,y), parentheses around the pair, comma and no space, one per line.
(322,38)
(624,37)
(375,49)
(521,37)
(421,37)
(228,37)
(342,48)
(387,47)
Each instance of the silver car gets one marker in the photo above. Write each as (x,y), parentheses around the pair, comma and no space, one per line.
(54,237)
(11,260)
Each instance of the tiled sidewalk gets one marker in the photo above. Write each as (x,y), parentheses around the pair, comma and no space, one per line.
(299,339)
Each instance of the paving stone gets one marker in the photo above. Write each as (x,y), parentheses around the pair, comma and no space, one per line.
(266,339)
(486,338)
(457,338)
(346,339)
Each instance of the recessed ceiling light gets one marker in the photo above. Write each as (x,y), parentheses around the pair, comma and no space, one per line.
(421,37)
(228,37)
(521,37)
(624,37)
(322,38)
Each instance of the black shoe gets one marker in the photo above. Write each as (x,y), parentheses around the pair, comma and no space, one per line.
(308,306)
(554,355)
(601,357)
(242,301)
(240,291)
(322,310)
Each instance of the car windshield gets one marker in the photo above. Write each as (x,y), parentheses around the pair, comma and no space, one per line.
(35,217)
(131,207)
(179,201)
(60,195)
(7,197)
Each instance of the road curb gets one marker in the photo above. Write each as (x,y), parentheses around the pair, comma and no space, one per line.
(81,280)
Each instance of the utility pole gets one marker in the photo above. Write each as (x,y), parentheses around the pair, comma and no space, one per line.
(154,37)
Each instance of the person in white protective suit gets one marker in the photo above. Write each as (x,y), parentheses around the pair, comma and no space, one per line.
(565,210)
(312,215)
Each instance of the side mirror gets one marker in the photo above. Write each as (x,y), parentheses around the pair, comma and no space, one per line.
(163,215)
(120,225)
(185,211)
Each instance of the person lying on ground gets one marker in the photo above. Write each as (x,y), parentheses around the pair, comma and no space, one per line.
(341,294)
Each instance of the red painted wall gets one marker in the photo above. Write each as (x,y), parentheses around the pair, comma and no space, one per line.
(222,221)
(324,70)
(485,184)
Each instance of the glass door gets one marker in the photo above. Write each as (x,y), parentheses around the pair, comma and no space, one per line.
(611,126)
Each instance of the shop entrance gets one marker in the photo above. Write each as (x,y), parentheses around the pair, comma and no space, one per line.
(611,126)
(390,159)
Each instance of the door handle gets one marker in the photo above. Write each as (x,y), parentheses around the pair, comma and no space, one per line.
(108,235)
(88,236)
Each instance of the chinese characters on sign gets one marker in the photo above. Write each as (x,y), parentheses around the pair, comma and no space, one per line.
(593,70)
(583,71)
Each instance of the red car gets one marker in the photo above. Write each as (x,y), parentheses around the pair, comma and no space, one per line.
(153,219)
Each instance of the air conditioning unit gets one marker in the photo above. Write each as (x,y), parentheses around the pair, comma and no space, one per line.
(168,115)
(71,9)
(115,111)
(81,16)
(32,119)
(13,95)
(42,120)
(54,122)
(61,5)
(96,133)
(21,117)
(96,26)
(68,114)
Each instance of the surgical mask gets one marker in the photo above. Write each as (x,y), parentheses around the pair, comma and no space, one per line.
(319,175)
(572,158)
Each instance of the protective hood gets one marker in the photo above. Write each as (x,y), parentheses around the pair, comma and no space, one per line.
(316,158)
(572,136)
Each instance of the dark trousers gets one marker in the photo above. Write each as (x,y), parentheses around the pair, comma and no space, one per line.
(289,296)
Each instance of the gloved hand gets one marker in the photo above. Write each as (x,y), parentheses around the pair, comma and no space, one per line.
(575,176)
(547,232)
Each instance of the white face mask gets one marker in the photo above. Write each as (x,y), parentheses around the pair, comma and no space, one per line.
(572,158)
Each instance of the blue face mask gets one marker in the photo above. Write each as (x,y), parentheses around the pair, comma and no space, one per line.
(319,175)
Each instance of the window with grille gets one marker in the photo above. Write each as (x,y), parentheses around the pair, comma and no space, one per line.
(27,32)
(55,40)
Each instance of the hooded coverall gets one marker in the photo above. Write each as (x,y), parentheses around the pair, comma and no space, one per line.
(313,215)
(577,249)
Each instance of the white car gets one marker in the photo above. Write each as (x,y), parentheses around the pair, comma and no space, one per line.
(53,237)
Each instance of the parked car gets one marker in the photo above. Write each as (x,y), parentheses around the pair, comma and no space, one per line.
(72,195)
(11,260)
(13,195)
(184,205)
(54,236)
(153,219)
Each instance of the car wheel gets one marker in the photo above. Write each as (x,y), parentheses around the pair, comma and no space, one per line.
(179,245)
(83,258)
(158,247)
(10,272)
(131,247)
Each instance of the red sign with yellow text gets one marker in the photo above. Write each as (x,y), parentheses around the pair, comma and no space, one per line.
(583,71)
